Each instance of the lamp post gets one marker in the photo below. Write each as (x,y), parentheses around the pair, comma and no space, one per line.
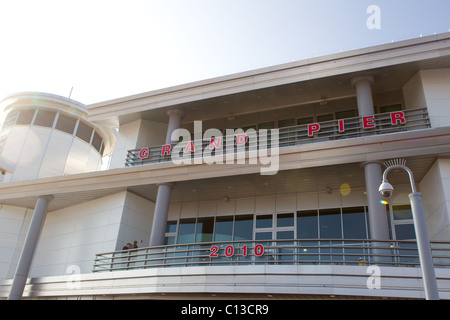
(423,242)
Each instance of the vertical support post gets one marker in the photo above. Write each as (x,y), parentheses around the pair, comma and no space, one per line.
(161,211)
(423,246)
(378,220)
(175,117)
(29,248)
(164,189)
(379,226)
(420,227)
(363,88)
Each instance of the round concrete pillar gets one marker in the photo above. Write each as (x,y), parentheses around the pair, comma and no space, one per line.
(363,88)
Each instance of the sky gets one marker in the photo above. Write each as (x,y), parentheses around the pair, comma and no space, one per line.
(98,50)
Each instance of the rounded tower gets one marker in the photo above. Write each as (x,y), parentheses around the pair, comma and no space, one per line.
(45,135)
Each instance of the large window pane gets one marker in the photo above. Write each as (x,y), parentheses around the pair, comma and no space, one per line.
(224,229)
(307,251)
(330,223)
(264,221)
(168,240)
(263,236)
(402,212)
(285,220)
(97,141)
(205,229)
(171,232)
(354,221)
(84,132)
(307,224)
(66,123)
(243,227)
(10,119)
(25,116)
(186,231)
(171,227)
(45,118)
(405,232)
(285,235)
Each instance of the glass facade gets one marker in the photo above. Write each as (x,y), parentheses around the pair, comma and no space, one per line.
(334,223)
(243,227)
(59,121)
(45,118)
(402,223)
(223,229)
(66,124)
(186,231)
(402,228)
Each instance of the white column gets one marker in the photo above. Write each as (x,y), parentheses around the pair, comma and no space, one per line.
(160,217)
(379,227)
(175,117)
(29,248)
(378,220)
(363,88)
(164,189)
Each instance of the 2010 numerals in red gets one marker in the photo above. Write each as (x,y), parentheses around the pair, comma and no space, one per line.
(229,251)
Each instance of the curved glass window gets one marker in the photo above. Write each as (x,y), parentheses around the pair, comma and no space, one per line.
(25,116)
(97,141)
(45,118)
(84,132)
(10,119)
(66,123)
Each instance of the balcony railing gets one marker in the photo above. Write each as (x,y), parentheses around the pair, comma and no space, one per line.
(416,119)
(275,252)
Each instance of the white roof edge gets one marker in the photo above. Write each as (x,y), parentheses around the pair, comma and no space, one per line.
(277,68)
(107,133)
(44,95)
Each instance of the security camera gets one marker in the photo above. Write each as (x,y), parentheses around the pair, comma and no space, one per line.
(386,189)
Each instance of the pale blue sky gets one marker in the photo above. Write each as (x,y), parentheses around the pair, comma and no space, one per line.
(110,49)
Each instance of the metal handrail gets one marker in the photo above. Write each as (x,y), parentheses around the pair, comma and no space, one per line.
(417,119)
(280,252)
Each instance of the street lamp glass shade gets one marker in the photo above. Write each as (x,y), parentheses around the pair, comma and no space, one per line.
(386,189)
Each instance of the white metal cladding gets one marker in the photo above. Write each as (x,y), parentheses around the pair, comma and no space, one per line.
(329,280)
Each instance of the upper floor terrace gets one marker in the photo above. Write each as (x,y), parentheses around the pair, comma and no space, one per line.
(410,76)
(406,76)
